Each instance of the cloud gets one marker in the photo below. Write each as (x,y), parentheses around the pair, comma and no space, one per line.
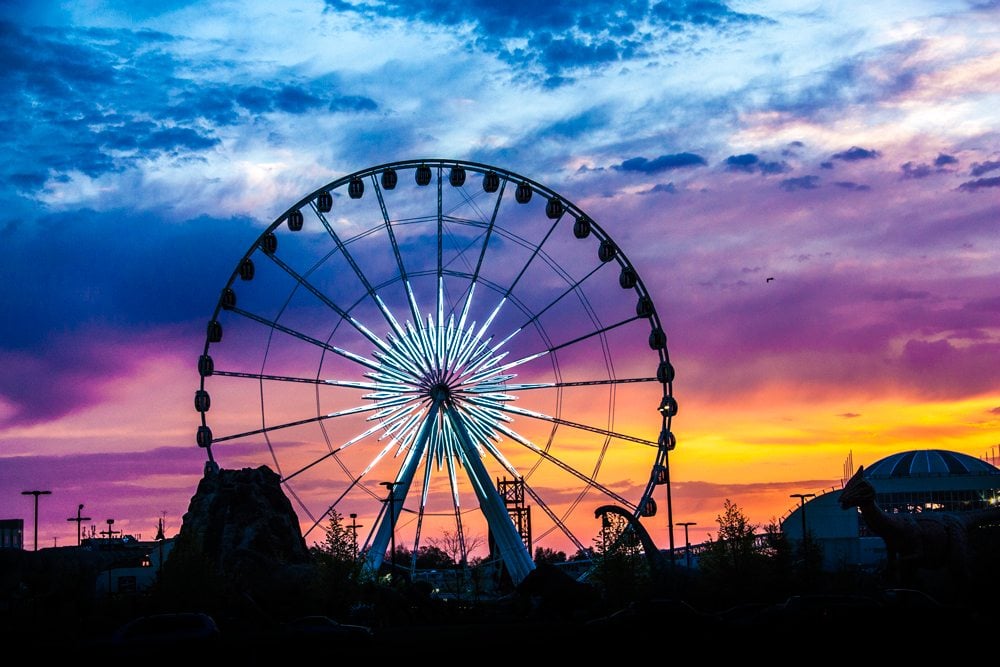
(119,100)
(943,160)
(855,153)
(750,163)
(662,163)
(922,170)
(980,168)
(556,39)
(849,415)
(848,185)
(911,170)
(800,183)
(979,184)
(668,188)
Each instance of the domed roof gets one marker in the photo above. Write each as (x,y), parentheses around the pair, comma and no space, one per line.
(929,462)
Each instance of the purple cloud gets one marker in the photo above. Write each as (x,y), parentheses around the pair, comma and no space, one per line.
(979,184)
(980,168)
(855,153)
(662,163)
(800,183)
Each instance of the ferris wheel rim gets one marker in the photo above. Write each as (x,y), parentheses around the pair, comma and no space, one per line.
(508,176)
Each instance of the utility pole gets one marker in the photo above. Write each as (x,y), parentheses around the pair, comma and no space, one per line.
(36,494)
(802,499)
(354,534)
(79,520)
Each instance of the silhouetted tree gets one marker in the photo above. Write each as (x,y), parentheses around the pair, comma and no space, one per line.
(734,564)
(339,570)
(455,546)
(546,555)
(433,558)
(620,568)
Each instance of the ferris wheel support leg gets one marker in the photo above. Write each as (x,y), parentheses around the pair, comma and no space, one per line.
(514,553)
(397,494)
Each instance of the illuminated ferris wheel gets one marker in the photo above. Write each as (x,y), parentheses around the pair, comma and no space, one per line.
(441,349)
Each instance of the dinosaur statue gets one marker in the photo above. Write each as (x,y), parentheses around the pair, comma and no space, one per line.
(932,540)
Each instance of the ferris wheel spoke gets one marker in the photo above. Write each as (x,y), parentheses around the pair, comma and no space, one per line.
(490,226)
(342,247)
(583,477)
(573,287)
(376,407)
(596,332)
(557,522)
(346,354)
(391,233)
(325,300)
(563,422)
(558,385)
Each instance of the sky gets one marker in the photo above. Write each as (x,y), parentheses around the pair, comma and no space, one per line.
(810,192)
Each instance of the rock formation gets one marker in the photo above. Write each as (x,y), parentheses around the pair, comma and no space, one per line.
(240,537)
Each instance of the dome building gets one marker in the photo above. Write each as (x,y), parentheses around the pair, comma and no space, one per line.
(914,481)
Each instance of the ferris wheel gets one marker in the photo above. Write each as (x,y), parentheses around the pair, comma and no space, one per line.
(441,350)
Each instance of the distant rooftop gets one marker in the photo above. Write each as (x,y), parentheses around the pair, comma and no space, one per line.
(929,462)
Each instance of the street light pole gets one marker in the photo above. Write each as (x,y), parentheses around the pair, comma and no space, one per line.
(687,542)
(802,499)
(36,494)
(354,534)
(79,520)
(391,486)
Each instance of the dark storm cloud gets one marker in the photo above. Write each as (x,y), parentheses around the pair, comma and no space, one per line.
(750,163)
(800,183)
(556,38)
(662,163)
(979,184)
(115,277)
(980,168)
(855,153)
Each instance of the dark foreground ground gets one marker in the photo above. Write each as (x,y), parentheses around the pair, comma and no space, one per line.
(896,627)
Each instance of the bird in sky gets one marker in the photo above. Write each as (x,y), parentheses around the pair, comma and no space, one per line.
(769,279)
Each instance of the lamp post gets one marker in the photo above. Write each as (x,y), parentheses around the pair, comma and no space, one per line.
(111,522)
(36,494)
(391,486)
(79,520)
(802,499)
(354,534)
(687,542)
